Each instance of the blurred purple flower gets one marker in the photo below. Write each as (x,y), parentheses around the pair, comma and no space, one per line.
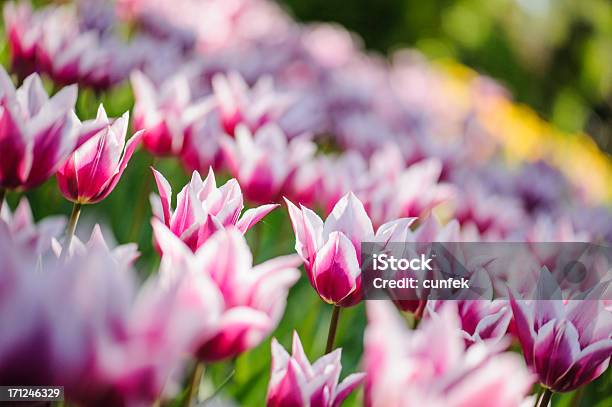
(93,170)
(202,208)
(296,382)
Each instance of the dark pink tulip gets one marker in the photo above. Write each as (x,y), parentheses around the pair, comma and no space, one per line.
(254,297)
(167,114)
(332,250)
(91,173)
(297,383)
(202,208)
(432,366)
(567,344)
(264,162)
(37,133)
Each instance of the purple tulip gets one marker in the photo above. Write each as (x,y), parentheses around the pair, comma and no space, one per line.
(332,250)
(93,170)
(37,133)
(254,296)
(264,162)
(567,344)
(297,383)
(202,208)
(432,366)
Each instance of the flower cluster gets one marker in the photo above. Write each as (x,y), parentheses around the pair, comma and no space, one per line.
(354,147)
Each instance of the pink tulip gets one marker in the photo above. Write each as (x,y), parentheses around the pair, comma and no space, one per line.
(22,37)
(254,298)
(202,208)
(91,173)
(332,250)
(431,366)
(264,162)
(37,133)
(20,225)
(166,113)
(480,319)
(295,382)
(81,324)
(252,107)
(567,344)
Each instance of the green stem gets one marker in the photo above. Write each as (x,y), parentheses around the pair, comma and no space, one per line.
(141,205)
(546,397)
(333,326)
(2,195)
(194,385)
(74,218)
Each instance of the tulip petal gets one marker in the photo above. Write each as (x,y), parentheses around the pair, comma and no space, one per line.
(251,216)
(336,269)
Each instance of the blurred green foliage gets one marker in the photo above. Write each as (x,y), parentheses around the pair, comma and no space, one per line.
(554,55)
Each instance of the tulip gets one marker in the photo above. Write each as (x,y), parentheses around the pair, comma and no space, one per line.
(166,113)
(331,251)
(81,324)
(264,162)
(296,382)
(567,344)
(91,173)
(125,254)
(254,298)
(202,208)
(432,366)
(253,107)
(480,319)
(37,133)
(20,225)
(22,35)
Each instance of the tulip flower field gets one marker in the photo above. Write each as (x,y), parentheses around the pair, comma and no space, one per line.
(186,188)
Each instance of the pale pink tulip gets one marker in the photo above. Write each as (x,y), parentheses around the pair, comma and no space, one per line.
(37,237)
(431,366)
(93,170)
(294,381)
(202,208)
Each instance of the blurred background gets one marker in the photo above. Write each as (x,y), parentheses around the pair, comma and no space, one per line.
(554,55)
